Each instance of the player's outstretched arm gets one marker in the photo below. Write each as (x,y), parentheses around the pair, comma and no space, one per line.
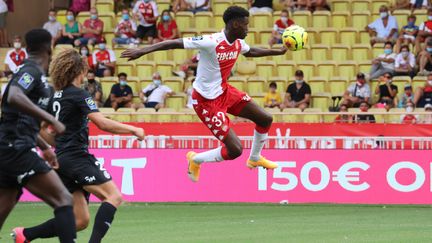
(19,100)
(261,52)
(115,127)
(135,53)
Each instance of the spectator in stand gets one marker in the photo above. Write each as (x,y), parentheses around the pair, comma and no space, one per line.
(187,66)
(427,119)
(419,4)
(424,59)
(279,27)
(16,56)
(103,59)
(167,27)
(364,118)
(401,4)
(406,97)
(298,93)
(405,62)
(343,118)
(80,6)
(3,16)
(423,95)
(387,91)
(107,73)
(191,5)
(146,12)
(121,93)
(384,63)
(92,30)
(272,99)
(260,6)
(53,26)
(409,118)
(384,29)
(301,4)
(318,5)
(357,92)
(94,88)
(125,31)
(87,56)
(408,33)
(155,94)
(71,30)
(425,31)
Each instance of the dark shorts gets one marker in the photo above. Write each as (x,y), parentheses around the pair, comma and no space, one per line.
(78,169)
(17,166)
(143,31)
(151,104)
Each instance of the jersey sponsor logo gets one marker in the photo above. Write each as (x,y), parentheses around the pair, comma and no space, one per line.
(26,80)
(90,103)
(227,55)
(197,38)
(90,179)
(43,101)
(107,175)
(58,94)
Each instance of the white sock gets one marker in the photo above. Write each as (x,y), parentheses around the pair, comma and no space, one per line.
(257,145)
(213,155)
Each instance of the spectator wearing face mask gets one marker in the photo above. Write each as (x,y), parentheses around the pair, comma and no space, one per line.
(425,30)
(405,62)
(425,59)
(423,95)
(409,118)
(16,56)
(406,97)
(408,33)
(71,30)
(384,63)
(167,27)
(146,12)
(343,118)
(155,94)
(427,119)
(364,118)
(279,27)
(87,56)
(272,99)
(103,59)
(53,26)
(91,29)
(121,93)
(94,88)
(125,31)
(298,93)
(387,91)
(384,29)
(357,92)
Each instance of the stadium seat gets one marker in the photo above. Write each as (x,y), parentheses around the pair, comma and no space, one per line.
(252,37)
(82,16)
(107,83)
(321,101)
(246,68)
(340,52)
(299,56)
(318,85)
(175,83)
(188,33)
(326,69)
(360,19)
(286,69)
(122,116)
(179,56)
(219,6)
(163,4)
(329,36)
(377,50)
(279,58)
(340,19)
(109,21)
(208,31)
(244,4)
(364,66)
(105,6)
(261,20)
(126,67)
(259,99)
(184,20)
(308,68)
(394,118)
(218,22)
(302,18)
(378,117)
(376,4)
(319,52)
(418,81)
(311,118)
(61,17)
(160,56)
(401,16)
(109,36)
(289,118)
(238,82)
(256,85)
(265,69)
(165,68)
(400,82)
(145,69)
(313,36)
(347,69)
(134,83)
(321,19)
(421,15)
(341,5)
(281,82)
(337,86)
(361,52)
(329,118)
(203,20)
(363,37)
(361,5)
(348,36)
(264,36)
(176,102)
(106,110)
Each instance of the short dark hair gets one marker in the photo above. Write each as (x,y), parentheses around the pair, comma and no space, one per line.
(388,43)
(122,75)
(404,46)
(234,12)
(412,16)
(38,40)
(273,84)
(389,74)
(285,11)
(91,71)
(299,73)
(346,106)
(364,102)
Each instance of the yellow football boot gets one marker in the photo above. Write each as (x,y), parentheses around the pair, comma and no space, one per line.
(263,162)
(193,168)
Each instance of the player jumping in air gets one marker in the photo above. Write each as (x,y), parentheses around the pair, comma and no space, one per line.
(23,108)
(79,170)
(213,97)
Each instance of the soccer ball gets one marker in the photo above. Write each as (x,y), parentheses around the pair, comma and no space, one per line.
(294,37)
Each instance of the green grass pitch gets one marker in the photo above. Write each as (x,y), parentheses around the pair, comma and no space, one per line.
(202,222)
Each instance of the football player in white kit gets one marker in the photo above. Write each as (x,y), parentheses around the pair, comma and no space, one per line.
(213,97)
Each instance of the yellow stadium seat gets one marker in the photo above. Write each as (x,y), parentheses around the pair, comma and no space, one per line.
(364,37)
(326,69)
(208,31)
(256,85)
(377,50)
(146,117)
(299,56)
(401,16)
(340,19)
(341,5)
(122,116)
(106,109)
(275,16)
(311,118)
(286,69)
(320,52)
(347,69)
(243,3)
(400,82)
(259,99)
(126,67)
(203,20)
(109,21)
(252,37)
(119,49)
(360,19)
(364,66)
(340,52)
(281,82)
(162,116)
(165,68)
(184,20)
(237,82)
(348,36)
(302,18)
(83,16)
(264,36)
(145,69)
(421,15)
(329,36)
(180,56)
(261,20)
(163,4)
(321,101)
(361,52)
(394,118)
(107,83)
(378,117)
(134,83)
(176,102)
(308,68)
(175,83)
(109,36)
(361,5)
(318,85)
(105,6)
(376,4)
(337,86)
(321,19)
(61,17)
(160,56)
(418,81)
(219,6)
(289,118)
(246,68)
(188,33)
(265,69)
(313,36)
(279,58)
(144,82)
(218,22)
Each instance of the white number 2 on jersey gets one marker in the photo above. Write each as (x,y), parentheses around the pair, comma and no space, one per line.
(56,109)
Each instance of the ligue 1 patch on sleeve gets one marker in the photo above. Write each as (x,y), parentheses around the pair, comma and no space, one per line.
(197,38)
(90,103)
(25,80)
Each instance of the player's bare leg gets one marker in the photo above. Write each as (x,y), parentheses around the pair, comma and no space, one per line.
(8,199)
(263,121)
(81,211)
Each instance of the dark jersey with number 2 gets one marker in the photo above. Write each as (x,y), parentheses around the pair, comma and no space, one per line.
(16,128)
(71,107)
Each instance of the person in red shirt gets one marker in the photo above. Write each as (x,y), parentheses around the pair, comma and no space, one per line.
(91,29)
(423,95)
(87,56)
(409,118)
(167,27)
(279,27)
(16,56)
(103,59)
(343,118)
(126,30)
(146,12)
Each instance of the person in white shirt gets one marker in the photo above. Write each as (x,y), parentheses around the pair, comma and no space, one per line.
(405,62)
(146,13)
(357,92)
(53,26)
(15,57)
(384,63)
(155,94)
(383,29)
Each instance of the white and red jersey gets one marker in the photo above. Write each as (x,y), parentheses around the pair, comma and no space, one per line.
(125,28)
(217,58)
(15,58)
(146,10)
(103,56)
